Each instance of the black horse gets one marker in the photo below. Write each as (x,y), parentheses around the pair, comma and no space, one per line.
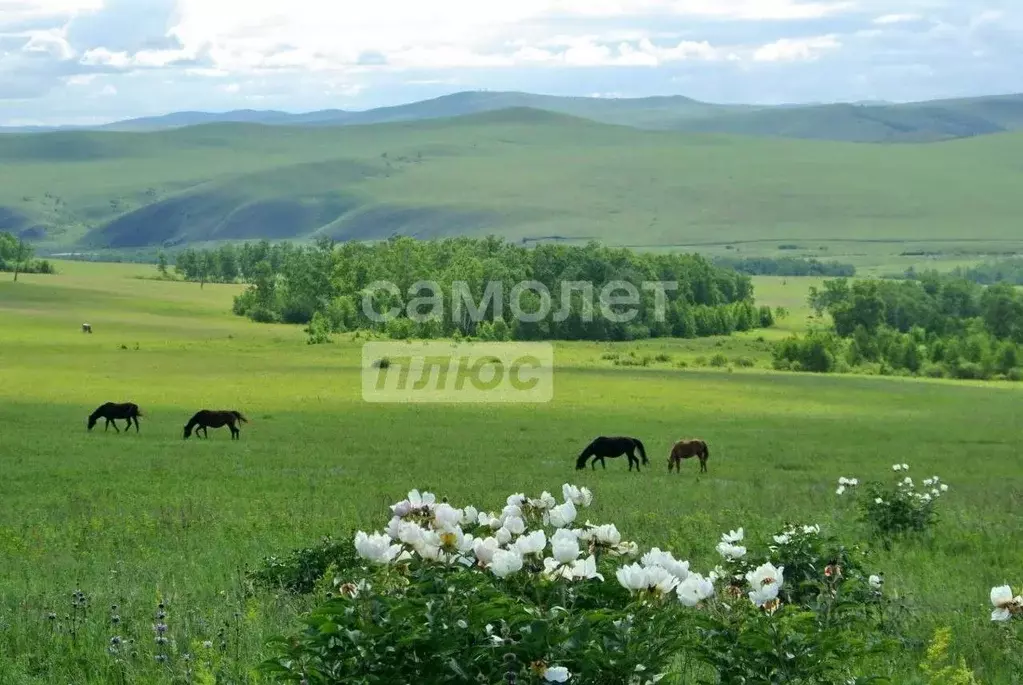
(215,419)
(613,447)
(111,412)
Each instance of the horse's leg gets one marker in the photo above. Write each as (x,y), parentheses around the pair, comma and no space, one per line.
(136,419)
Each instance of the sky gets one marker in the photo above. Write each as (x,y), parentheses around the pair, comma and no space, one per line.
(94,61)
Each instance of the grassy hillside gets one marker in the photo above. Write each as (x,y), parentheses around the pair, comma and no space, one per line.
(867,123)
(525,174)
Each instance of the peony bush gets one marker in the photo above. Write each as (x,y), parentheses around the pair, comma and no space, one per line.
(899,508)
(535,592)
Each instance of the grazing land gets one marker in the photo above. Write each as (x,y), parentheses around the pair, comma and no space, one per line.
(136,519)
(525,174)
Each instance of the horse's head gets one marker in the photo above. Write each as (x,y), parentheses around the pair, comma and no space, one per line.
(92,421)
(188,431)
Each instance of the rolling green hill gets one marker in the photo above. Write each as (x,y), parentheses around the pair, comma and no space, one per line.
(865,123)
(522,173)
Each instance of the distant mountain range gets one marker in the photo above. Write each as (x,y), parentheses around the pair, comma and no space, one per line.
(917,122)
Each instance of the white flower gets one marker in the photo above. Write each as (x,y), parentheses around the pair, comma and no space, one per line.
(533,543)
(515,525)
(505,562)
(907,481)
(694,589)
(733,535)
(607,534)
(470,515)
(1002,600)
(510,511)
(632,577)
(928,482)
(489,520)
(376,548)
(503,536)
(581,497)
(586,569)
(840,490)
(402,508)
(660,580)
(935,492)
(896,467)
(552,568)
(562,515)
(783,539)
(876,582)
(812,530)
(564,546)
(905,467)
(446,517)
(516,500)
(764,594)
(766,574)
(842,480)
(655,557)
(878,500)
(556,674)
(944,488)
(730,551)
(717,574)
(925,497)
(545,502)
(461,623)
(424,500)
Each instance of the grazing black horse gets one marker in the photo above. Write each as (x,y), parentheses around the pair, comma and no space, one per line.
(215,419)
(613,447)
(111,411)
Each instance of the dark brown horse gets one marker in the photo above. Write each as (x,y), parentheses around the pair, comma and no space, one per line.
(684,449)
(613,447)
(111,412)
(215,419)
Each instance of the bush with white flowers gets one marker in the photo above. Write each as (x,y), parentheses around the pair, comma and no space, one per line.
(898,508)
(532,594)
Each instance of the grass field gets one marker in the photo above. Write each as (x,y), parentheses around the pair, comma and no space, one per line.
(134,519)
(523,174)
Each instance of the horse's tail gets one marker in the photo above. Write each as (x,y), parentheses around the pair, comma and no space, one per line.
(642,451)
(238,415)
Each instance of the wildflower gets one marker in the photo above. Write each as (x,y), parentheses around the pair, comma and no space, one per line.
(586,569)
(469,515)
(896,467)
(660,580)
(516,500)
(562,515)
(376,547)
(730,551)
(515,525)
(783,539)
(581,497)
(461,623)
(935,493)
(503,536)
(510,511)
(655,557)
(533,543)
(349,590)
(207,644)
(556,674)
(908,482)
(485,548)
(1005,604)
(812,530)
(840,490)
(694,589)
(876,582)
(505,563)
(878,500)
(632,577)
(607,535)
(733,536)
(944,488)
(545,502)
(564,546)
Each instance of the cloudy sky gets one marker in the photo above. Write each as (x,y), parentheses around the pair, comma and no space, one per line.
(91,61)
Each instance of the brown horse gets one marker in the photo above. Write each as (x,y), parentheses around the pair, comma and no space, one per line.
(215,419)
(684,449)
(110,411)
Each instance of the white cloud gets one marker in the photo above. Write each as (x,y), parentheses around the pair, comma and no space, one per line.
(17,11)
(142,59)
(796,49)
(889,19)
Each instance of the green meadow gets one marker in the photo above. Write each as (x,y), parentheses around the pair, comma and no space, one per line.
(136,519)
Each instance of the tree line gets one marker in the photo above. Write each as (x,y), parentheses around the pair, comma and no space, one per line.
(1000,271)
(16,256)
(327,287)
(785,266)
(939,326)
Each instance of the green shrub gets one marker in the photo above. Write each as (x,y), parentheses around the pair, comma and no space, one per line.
(300,570)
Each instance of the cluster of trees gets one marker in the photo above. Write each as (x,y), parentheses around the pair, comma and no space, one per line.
(329,286)
(937,326)
(16,256)
(1002,271)
(230,263)
(786,266)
